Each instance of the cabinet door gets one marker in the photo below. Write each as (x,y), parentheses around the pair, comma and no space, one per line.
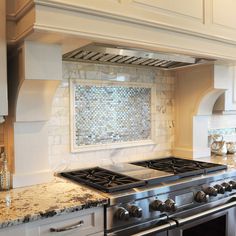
(221,19)
(13,231)
(173,10)
(3,64)
(223,13)
(86,222)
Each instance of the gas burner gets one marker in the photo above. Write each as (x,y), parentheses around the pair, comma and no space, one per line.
(104,180)
(181,167)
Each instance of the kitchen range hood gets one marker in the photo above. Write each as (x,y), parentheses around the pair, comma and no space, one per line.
(102,53)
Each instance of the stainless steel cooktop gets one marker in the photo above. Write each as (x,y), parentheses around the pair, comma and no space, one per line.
(143,193)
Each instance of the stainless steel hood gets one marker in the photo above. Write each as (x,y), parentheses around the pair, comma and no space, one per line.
(102,53)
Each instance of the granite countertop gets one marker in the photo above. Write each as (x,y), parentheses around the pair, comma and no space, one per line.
(61,196)
(22,205)
(229,160)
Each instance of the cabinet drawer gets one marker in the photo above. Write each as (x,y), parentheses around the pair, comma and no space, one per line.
(81,223)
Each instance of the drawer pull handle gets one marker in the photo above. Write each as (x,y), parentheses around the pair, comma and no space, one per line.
(66,228)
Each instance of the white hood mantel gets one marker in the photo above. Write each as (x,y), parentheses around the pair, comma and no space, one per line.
(36,72)
(40,72)
(44,30)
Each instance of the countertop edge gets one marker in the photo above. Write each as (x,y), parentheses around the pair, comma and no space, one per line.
(51,213)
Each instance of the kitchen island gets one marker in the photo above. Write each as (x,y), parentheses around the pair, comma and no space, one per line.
(43,201)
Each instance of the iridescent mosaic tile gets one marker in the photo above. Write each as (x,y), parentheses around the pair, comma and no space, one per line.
(225,131)
(108,114)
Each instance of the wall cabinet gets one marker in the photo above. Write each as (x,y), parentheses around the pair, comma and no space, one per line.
(204,28)
(211,18)
(86,222)
(3,64)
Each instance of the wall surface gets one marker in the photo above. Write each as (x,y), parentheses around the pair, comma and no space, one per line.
(1,135)
(224,125)
(222,121)
(60,155)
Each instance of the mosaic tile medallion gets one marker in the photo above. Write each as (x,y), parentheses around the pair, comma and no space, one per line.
(110,114)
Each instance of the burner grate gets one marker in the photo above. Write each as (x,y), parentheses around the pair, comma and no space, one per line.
(181,167)
(104,180)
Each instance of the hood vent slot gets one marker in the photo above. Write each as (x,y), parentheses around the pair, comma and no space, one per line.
(120,55)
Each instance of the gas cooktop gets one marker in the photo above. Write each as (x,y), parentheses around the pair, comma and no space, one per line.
(113,178)
(153,196)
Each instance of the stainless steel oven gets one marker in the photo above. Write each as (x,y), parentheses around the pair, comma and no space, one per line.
(214,219)
(219,219)
(165,197)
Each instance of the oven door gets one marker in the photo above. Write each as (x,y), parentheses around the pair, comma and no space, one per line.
(220,221)
(213,219)
(152,228)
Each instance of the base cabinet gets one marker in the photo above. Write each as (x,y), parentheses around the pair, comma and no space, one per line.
(88,222)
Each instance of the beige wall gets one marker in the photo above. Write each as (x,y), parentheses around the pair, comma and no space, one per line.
(1,134)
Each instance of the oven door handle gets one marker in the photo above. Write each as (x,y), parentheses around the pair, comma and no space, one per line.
(168,225)
(230,204)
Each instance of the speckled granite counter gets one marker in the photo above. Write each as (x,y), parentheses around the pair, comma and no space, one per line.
(229,160)
(59,197)
(41,201)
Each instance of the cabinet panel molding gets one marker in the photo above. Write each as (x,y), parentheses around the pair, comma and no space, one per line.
(224,14)
(180,8)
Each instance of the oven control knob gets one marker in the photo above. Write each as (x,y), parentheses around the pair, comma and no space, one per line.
(157,205)
(201,197)
(233,184)
(135,211)
(170,205)
(220,188)
(122,214)
(228,186)
(211,191)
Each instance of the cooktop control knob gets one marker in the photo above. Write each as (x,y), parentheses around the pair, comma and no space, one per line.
(201,197)
(170,205)
(135,211)
(122,214)
(220,188)
(228,186)
(233,184)
(157,205)
(211,191)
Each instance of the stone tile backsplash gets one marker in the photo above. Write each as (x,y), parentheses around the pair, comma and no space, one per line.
(224,125)
(60,154)
(110,114)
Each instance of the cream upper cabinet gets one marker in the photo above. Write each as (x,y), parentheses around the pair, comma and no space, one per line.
(3,65)
(182,14)
(221,18)
(208,18)
(200,27)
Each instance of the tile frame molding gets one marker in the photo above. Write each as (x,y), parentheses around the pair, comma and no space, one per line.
(75,148)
